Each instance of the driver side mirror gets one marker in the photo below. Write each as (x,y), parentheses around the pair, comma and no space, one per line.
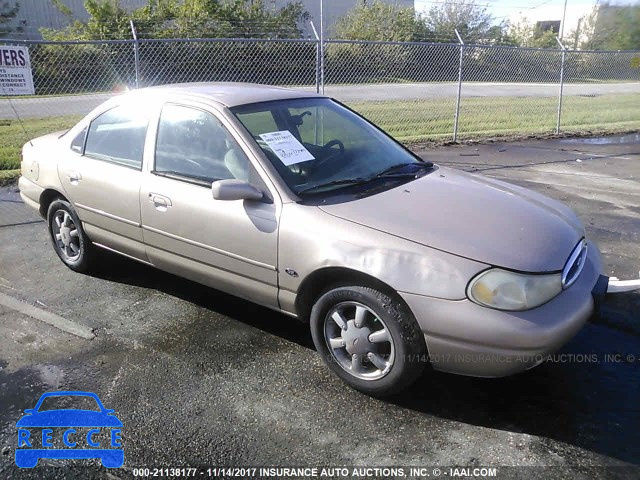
(235,190)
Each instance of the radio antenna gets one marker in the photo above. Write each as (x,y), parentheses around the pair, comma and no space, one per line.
(15,111)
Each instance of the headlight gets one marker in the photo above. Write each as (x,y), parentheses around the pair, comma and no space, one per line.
(506,290)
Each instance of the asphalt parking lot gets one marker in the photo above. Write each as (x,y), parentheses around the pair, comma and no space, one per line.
(200,378)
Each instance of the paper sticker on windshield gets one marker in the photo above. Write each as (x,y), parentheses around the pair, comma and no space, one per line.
(287,147)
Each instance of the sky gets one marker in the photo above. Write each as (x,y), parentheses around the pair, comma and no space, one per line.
(533,10)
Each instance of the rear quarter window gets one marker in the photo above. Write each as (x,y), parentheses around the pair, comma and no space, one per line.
(78,142)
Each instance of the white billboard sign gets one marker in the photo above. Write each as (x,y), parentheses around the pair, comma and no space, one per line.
(15,71)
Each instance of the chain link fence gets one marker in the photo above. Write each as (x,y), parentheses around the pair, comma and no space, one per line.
(416,91)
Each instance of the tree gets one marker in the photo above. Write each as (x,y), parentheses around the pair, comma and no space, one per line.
(182,19)
(379,21)
(108,20)
(7,13)
(474,23)
(252,20)
(612,27)
(526,34)
(157,19)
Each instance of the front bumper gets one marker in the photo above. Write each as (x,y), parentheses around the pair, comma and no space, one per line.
(468,339)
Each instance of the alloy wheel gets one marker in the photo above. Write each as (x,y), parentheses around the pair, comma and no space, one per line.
(66,236)
(359,340)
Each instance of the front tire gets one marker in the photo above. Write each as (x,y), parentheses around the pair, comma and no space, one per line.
(69,240)
(368,339)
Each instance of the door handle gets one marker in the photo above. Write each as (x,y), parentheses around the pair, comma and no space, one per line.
(74,177)
(160,201)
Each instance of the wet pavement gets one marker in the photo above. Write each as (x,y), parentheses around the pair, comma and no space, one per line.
(201,378)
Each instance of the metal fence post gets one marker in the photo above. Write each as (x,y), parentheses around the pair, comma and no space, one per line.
(136,52)
(322,46)
(564,53)
(318,56)
(457,116)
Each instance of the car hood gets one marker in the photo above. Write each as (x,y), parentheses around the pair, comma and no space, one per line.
(476,217)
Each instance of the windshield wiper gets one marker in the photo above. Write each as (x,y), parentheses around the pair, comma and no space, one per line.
(344,181)
(389,172)
(386,173)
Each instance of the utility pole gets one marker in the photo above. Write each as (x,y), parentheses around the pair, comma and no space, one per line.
(575,40)
(564,15)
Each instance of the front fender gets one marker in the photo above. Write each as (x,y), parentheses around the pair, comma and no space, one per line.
(311,239)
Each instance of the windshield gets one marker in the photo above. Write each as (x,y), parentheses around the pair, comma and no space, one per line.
(317,145)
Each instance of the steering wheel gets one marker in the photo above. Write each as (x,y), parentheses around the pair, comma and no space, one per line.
(330,155)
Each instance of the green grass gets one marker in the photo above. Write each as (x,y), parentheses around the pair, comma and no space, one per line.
(13,137)
(419,120)
(482,117)
(8,176)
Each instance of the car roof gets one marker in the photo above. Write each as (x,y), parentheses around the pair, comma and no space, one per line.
(227,93)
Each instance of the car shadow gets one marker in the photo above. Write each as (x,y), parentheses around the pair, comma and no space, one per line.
(584,405)
(578,398)
(116,268)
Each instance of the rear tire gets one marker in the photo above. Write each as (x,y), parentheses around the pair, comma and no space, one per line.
(368,339)
(69,240)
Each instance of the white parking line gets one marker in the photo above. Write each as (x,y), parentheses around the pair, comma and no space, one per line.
(47,317)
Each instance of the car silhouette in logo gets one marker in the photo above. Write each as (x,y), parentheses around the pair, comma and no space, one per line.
(82,433)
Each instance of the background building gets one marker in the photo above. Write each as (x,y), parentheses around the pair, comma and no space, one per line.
(36,14)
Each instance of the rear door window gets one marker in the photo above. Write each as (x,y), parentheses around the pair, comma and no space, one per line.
(118,136)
